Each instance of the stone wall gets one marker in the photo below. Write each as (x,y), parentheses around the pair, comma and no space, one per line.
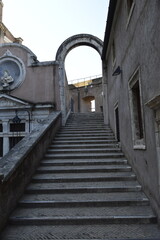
(134,46)
(82,96)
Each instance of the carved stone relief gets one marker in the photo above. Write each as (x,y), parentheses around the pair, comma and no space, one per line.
(12,72)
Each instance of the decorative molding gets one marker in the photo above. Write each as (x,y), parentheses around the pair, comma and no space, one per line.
(11,102)
(154,103)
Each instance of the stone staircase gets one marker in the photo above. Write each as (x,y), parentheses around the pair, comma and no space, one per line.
(83,189)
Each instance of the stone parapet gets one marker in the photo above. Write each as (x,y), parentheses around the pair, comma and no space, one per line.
(18,166)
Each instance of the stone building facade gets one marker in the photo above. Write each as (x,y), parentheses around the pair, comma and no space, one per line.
(87,96)
(131,86)
(28,93)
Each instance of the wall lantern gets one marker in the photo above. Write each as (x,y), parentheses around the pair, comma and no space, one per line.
(117,71)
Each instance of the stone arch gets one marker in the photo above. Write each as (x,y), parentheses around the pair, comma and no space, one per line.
(63,50)
(76,41)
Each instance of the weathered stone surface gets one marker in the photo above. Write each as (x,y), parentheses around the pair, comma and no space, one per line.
(81,198)
(18,166)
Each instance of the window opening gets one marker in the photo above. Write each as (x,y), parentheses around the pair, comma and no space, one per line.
(17,127)
(1,127)
(1,146)
(117,124)
(137,110)
(137,123)
(93,105)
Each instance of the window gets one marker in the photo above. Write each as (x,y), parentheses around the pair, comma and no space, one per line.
(136,111)
(1,127)
(1,146)
(17,127)
(117,123)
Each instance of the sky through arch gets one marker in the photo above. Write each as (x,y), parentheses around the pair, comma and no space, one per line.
(82,60)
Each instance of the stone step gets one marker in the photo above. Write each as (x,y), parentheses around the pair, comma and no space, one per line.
(44,178)
(82,220)
(83,146)
(45,190)
(84,127)
(82,162)
(85,118)
(83,142)
(85,131)
(88,125)
(86,169)
(88,231)
(84,156)
(84,150)
(77,138)
(46,211)
(80,204)
(83,211)
(99,199)
(88,122)
(90,134)
(84,187)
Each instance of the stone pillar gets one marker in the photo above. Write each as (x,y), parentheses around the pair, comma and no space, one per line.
(5,138)
(5,145)
(1,10)
(62,91)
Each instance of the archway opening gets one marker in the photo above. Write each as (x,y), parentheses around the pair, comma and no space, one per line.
(88,104)
(82,64)
(83,68)
(93,105)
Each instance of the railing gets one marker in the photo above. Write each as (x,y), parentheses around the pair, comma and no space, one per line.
(85,80)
